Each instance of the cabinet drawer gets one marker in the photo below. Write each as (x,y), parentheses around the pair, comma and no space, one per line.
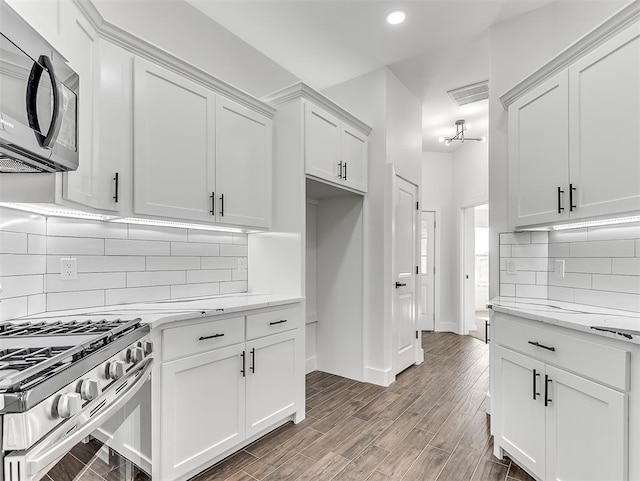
(554,345)
(188,340)
(265,323)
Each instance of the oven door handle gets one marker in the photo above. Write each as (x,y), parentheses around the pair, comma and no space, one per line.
(32,464)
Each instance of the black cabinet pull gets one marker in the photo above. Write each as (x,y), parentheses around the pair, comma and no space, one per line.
(571,191)
(242,370)
(345,171)
(253,361)
(116,180)
(221,205)
(486,332)
(546,390)
(537,344)
(273,323)
(399,285)
(202,338)
(213,203)
(535,388)
(560,208)
(340,169)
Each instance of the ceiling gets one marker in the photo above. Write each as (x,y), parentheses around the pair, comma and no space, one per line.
(442,45)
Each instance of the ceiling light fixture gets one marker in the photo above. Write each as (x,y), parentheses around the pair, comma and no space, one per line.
(396,17)
(460,130)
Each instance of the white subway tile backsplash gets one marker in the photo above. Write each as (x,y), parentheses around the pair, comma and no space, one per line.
(614,300)
(239,275)
(57,301)
(13,307)
(66,227)
(208,237)
(565,294)
(521,277)
(505,251)
(234,251)
(594,265)
(508,290)
(116,247)
(36,244)
(542,278)
(86,282)
(629,284)
(13,243)
(155,278)
(233,287)
(99,263)
(147,232)
(559,250)
(17,221)
(19,265)
(172,263)
(219,263)
(613,232)
(534,292)
(530,264)
(515,238)
(530,250)
(570,279)
(194,249)
(539,237)
(74,246)
(19,286)
(637,249)
(613,248)
(137,294)
(242,239)
(204,275)
(569,235)
(36,304)
(626,266)
(195,290)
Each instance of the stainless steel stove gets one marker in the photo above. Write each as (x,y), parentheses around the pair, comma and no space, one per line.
(60,380)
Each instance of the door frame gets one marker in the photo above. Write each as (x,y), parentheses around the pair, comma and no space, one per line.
(431,248)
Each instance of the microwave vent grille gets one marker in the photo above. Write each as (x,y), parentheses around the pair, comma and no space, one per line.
(10,165)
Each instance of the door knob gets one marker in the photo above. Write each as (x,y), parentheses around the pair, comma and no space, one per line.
(399,285)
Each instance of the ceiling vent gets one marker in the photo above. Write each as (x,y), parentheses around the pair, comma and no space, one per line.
(470,93)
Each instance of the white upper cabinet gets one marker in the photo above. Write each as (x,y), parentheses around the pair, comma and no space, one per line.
(604,92)
(173,144)
(573,143)
(334,151)
(244,146)
(539,153)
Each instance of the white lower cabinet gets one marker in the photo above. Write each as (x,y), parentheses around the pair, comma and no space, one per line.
(556,424)
(221,388)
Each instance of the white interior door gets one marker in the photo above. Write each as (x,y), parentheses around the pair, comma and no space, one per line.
(404,267)
(468,270)
(426,312)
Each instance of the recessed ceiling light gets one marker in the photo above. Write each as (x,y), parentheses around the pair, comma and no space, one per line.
(396,17)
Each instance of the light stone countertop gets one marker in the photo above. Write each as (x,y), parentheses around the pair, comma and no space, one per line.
(618,324)
(158,313)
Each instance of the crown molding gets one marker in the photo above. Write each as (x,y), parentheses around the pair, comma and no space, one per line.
(592,40)
(302,90)
(149,51)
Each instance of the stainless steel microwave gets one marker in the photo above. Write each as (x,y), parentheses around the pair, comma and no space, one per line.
(38,101)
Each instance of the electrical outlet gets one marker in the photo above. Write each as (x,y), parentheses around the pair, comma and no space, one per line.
(68,269)
(242,263)
(512,269)
(558,267)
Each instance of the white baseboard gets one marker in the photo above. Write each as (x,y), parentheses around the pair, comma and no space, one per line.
(448,327)
(311,365)
(488,403)
(379,376)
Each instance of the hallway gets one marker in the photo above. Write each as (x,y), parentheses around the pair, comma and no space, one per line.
(430,425)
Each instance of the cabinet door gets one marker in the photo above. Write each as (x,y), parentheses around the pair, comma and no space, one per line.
(202,409)
(105,137)
(271,380)
(586,430)
(518,420)
(605,122)
(354,147)
(243,165)
(321,144)
(539,154)
(174,150)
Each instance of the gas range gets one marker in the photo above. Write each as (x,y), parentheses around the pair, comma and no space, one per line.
(60,379)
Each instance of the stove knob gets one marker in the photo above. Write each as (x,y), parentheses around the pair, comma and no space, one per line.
(147,346)
(115,370)
(135,355)
(68,405)
(90,389)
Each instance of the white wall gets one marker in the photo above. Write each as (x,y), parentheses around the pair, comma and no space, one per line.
(185,32)
(518,48)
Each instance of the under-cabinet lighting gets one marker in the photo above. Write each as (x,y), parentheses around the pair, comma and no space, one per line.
(182,225)
(54,211)
(396,17)
(600,222)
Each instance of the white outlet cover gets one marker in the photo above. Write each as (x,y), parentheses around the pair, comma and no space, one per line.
(68,269)
(512,269)
(558,267)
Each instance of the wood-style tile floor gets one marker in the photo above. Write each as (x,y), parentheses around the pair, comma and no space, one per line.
(430,425)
